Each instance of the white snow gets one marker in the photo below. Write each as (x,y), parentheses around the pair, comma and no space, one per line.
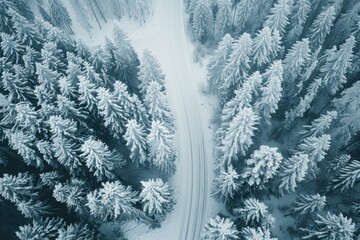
(165,36)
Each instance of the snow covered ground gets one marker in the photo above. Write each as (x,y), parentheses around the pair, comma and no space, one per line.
(165,36)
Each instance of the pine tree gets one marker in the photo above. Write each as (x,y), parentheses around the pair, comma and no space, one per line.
(149,71)
(66,152)
(253,212)
(270,96)
(87,94)
(337,64)
(256,233)
(347,176)
(112,200)
(161,149)
(309,204)
(319,125)
(301,11)
(12,49)
(239,136)
(238,63)
(24,144)
(202,22)
(339,162)
(220,228)
(158,106)
(18,188)
(274,70)
(69,108)
(72,194)
(110,110)
(243,12)
(60,127)
(278,17)
(347,125)
(346,24)
(135,137)
(43,228)
(292,171)
(33,208)
(266,45)
(304,104)
(293,64)
(156,198)
(223,19)
(27,117)
(218,62)
(48,88)
(18,90)
(316,149)
(262,166)
(76,232)
(321,26)
(99,159)
(59,17)
(226,184)
(331,226)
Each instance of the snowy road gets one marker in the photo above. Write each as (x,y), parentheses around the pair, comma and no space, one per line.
(165,36)
(169,43)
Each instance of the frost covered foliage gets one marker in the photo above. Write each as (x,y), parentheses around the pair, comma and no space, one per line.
(286,75)
(78,127)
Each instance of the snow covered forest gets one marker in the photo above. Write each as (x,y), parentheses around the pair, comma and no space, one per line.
(179,119)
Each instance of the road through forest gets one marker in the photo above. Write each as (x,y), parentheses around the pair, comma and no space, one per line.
(169,42)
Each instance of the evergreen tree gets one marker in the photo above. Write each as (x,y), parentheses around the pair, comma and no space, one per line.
(238,63)
(220,228)
(112,200)
(59,17)
(27,118)
(292,171)
(243,12)
(270,97)
(278,17)
(156,198)
(347,125)
(76,232)
(321,26)
(72,194)
(294,62)
(239,136)
(337,64)
(149,71)
(223,19)
(256,233)
(33,208)
(218,62)
(339,162)
(110,110)
(18,188)
(60,127)
(304,104)
(316,149)
(135,137)
(99,159)
(262,166)
(319,125)
(87,94)
(66,152)
(309,204)
(43,228)
(202,22)
(266,45)
(301,11)
(347,176)
(11,48)
(331,226)
(48,88)
(161,149)
(253,211)
(226,184)
(158,106)
(346,24)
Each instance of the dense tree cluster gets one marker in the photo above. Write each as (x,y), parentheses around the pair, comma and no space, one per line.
(73,121)
(286,75)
